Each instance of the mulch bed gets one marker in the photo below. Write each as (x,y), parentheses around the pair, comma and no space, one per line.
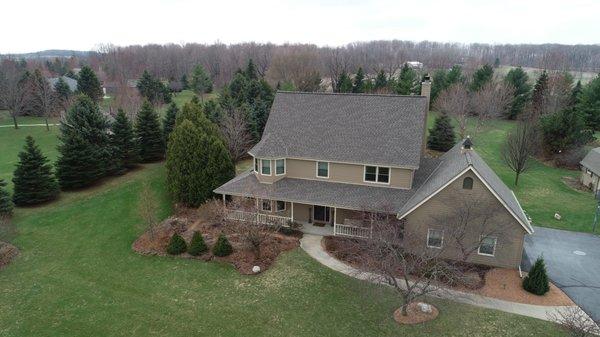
(187,221)
(8,253)
(415,315)
(575,184)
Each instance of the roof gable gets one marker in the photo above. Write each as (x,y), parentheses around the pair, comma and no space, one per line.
(592,160)
(371,129)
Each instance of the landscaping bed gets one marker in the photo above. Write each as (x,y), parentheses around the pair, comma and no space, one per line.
(155,241)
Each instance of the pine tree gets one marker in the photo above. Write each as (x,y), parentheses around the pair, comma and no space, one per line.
(359,81)
(152,89)
(251,73)
(481,77)
(176,245)
(197,245)
(538,97)
(149,135)
(407,81)
(85,153)
(63,92)
(454,75)
(564,130)
(33,180)
(518,78)
(222,247)
(589,103)
(200,82)
(89,84)
(380,81)
(6,204)
(184,82)
(344,83)
(496,62)
(438,83)
(536,282)
(169,121)
(441,136)
(125,152)
(575,94)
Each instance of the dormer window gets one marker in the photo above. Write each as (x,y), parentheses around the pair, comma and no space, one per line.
(377,174)
(265,167)
(322,169)
(279,167)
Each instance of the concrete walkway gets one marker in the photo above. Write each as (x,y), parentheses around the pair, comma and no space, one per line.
(312,245)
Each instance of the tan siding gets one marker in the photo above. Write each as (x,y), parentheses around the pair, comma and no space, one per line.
(588,180)
(509,247)
(345,173)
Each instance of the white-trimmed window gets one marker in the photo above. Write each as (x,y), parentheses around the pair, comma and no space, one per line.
(323,169)
(468,183)
(487,246)
(265,167)
(266,205)
(279,167)
(280,206)
(435,238)
(377,174)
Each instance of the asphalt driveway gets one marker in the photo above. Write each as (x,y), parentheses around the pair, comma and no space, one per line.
(573,263)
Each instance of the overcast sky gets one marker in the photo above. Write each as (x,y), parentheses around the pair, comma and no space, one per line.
(33,25)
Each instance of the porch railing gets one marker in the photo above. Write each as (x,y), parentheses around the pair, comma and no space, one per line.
(261,218)
(351,231)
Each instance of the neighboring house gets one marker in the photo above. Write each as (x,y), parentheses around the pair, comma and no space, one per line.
(590,169)
(72,83)
(325,159)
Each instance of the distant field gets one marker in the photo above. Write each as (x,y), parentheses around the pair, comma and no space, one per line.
(534,73)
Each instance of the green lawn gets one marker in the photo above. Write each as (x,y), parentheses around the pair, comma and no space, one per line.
(77,276)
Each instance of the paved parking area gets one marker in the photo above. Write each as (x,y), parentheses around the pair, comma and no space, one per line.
(573,263)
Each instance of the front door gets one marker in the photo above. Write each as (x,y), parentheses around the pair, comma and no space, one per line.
(321,214)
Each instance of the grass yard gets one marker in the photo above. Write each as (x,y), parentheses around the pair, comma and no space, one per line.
(77,276)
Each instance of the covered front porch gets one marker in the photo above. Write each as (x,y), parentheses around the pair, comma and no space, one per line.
(308,218)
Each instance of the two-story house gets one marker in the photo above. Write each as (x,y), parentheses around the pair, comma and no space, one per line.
(326,158)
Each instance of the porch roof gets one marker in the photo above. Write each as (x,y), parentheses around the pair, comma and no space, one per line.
(313,192)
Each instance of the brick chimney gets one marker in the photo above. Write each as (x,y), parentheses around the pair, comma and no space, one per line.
(426,89)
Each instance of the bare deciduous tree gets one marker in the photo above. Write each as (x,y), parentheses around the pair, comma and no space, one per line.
(493,100)
(42,96)
(235,132)
(147,207)
(575,321)
(14,92)
(454,101)
(519,146)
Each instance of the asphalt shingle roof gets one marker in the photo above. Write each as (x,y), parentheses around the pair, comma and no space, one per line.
(592,160)
(357,128)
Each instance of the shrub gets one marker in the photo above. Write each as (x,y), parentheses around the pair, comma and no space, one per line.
(222,247)
(197,245)
(536,282)
(176,245)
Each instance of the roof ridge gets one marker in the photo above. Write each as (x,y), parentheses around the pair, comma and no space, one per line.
(347,94)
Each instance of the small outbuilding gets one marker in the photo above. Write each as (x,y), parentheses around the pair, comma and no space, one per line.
(590,169)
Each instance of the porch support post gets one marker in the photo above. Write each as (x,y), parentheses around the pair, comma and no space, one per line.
(224,205)
(292,212)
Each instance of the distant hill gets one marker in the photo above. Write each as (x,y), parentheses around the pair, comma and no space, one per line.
(51,53)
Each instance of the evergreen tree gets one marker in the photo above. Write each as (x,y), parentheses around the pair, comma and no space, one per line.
(538,97)
(222,247)
(564,130)
(251,72)
(200,82)
(407,81)
(152,89)
(536,282)
(89,84)
(125,152)
(481,77)
(454,75)
(359,81)
(176,245)
(33,180)
(496,62)
(6,204)
(149,135)
(169,121)
(63,92)
(344,83)
(441,136)
(438,84)
(518,78)
(184,82)
(589,103)
(575,94)
(380,81)
(197,245)
(213,111)
(84,152)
